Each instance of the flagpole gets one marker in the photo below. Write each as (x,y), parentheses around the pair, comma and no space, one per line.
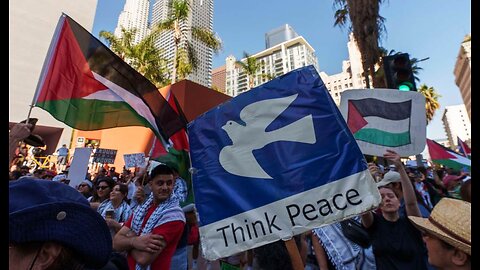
(47,61)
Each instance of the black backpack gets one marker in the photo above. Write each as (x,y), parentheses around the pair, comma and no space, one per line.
(355,232)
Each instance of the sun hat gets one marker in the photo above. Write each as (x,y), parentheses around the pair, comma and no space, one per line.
(450,221)
(389,177)
(43,210)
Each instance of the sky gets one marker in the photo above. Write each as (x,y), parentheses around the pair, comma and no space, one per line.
(423,29)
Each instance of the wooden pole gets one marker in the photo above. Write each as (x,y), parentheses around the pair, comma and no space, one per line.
(292,248)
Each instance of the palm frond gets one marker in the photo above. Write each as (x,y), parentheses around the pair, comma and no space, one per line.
(208,38)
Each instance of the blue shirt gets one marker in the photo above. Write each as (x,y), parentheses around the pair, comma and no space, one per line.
(62,151)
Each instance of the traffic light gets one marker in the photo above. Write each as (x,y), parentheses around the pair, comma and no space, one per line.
(398,72)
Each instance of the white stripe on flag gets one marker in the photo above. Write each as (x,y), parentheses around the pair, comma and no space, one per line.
(282,219)
(135,102)
(461,159)
(105,95)
(391,126)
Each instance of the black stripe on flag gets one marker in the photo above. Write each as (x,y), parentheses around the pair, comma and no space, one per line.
(110,66)
(387,110)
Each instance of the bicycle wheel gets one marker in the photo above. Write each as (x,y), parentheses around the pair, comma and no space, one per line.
(33,165)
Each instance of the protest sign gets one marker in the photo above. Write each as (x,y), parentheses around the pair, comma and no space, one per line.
(79,166)
(134,160)
(383,119)
(274,162)
(102,155)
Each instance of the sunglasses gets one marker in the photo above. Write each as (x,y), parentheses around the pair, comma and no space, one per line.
(102,187)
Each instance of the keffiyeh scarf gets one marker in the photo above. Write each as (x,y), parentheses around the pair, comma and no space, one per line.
(165,212)
(343,253)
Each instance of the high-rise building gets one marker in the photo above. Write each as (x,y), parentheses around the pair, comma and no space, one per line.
(275,61)
(201,15)
(134,15)
(31,27)
(351,76)
(463,73)
(279,35)
(456,123)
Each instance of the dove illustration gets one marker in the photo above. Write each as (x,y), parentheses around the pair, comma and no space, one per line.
(238,158)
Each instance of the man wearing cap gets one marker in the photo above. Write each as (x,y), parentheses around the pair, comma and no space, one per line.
(447,234)
(151,234)
(51,226)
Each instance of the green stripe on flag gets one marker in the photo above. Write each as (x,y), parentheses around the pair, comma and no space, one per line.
(380,137)
(451,163)
(93,114)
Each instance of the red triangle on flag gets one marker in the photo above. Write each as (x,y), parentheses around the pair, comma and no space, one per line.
(179,139)
(69,75)
(355,120)
(437,151)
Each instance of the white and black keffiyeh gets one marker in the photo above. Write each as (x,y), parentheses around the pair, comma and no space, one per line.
(165,212)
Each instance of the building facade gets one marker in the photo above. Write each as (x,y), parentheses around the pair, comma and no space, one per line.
(277,60)
(31,26)
(279,35)
(218,79)
(457,123)
(351,76)
(134,16)
(201,16)
(463,73)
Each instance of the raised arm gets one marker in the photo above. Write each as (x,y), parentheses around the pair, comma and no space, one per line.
(408,192)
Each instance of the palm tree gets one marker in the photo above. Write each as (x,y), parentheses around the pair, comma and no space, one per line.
(431,100)
(185,60)
(144,57)
(367,26)
(250,67)
(122,46)
(147,60)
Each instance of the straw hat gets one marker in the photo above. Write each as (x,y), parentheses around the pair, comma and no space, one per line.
(450,221)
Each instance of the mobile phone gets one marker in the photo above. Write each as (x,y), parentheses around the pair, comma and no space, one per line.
(109,213)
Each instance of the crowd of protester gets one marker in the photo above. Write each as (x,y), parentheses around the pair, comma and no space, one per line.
(133,220)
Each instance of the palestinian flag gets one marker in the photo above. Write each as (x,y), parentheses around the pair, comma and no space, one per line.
(442,155)
(463,148)
(177,155)
(88,87)
(380,122)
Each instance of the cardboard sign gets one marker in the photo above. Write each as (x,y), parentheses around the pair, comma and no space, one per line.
(79,166)
(134,160)
(381,119)
(103,156)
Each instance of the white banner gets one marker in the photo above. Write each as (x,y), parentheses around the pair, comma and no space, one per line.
(293,215)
